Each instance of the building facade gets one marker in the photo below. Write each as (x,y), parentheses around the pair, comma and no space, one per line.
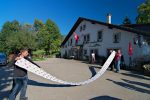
(100,37)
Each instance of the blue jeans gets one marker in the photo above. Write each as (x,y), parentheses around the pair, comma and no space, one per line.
(117,65)
(20,85)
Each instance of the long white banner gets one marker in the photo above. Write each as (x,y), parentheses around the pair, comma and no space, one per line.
(23,63)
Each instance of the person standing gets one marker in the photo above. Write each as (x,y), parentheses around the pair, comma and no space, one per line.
(20,77)
(93,57)
(117,60)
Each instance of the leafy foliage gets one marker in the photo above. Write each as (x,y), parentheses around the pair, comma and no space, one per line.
(44,36)
(19,40)
(49,37)
(144,13)
(126,21)
(38,24)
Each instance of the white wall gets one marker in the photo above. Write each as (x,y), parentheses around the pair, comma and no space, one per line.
(107,42)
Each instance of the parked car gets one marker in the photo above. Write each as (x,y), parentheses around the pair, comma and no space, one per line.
(3,59)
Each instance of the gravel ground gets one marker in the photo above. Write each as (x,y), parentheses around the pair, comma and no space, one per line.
(125,85)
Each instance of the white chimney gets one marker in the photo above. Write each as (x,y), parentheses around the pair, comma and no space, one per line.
(109,18)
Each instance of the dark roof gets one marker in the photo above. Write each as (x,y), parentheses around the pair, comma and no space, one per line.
(135,25)
(143,27)
(80,19)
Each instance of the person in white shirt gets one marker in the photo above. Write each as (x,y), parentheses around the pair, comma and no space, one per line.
(93,57)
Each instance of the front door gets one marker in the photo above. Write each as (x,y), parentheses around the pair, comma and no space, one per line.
(94,50)
(96,53)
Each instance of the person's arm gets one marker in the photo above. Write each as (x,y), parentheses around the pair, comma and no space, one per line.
(32,62)
(120,55)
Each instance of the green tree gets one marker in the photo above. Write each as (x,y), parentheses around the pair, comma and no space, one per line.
(27,27)
(126,21)
(55,36)
(1,43)
(44,40)
(38,25)
(7,29)
(49,37)
(19,40)
(11,26)
(44,36)
(143,13)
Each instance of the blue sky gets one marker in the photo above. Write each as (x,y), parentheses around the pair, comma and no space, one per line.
(65,12)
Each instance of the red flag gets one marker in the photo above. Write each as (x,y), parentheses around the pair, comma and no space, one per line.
(130,49)
(76,37)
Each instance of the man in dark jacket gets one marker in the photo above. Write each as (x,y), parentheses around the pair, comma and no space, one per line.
(20,77)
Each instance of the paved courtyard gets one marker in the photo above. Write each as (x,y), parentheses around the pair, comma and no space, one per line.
(125,85)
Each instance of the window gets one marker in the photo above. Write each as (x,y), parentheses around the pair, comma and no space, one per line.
(68,43)
(94,51)
(84,27)
(135,40)
(88,37)
(138,40)
(92,22)
(117,37)
(76,43)
(71,42)
(85,52)
(80,28)
(100,36)
(84,37)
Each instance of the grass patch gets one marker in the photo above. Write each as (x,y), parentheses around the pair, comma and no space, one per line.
(38,59)
(39,52)
(39,55)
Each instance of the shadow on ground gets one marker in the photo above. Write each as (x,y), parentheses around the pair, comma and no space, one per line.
(136,75)
(93,71)
(5,81)
(35,83)
(93,68)
(133,85)
(137,83)
(105,97)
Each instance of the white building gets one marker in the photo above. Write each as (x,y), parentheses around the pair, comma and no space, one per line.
(101,37)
